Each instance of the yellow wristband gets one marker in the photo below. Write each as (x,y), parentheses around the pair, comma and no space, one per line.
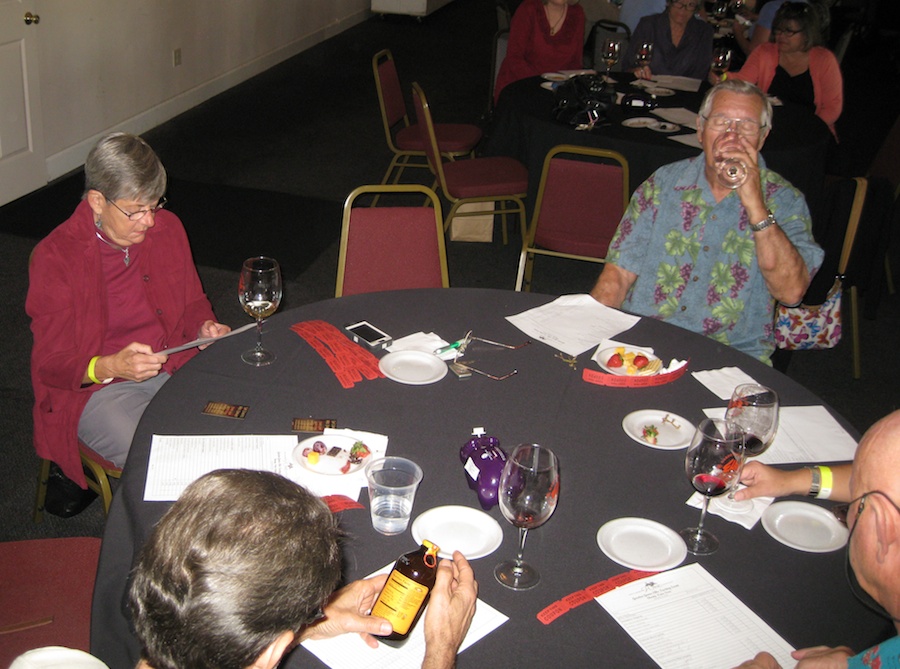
(827,483)
(91,369)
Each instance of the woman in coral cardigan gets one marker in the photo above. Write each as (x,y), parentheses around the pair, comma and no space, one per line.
(795,68)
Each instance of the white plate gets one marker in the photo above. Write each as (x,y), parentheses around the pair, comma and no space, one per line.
(554,76)
(659,91)
(459,528)
(415,368)
(804,526)
(640,122)
(607,353)
(329,465)
(544,84)
(670,438)
(639,543)
(665,126)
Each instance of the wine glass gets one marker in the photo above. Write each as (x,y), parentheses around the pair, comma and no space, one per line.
(731,172)
(528,491)
(644,54)
(611,50)
(721,60)
(259,291)
(712,464)
(754,409)
(720,9)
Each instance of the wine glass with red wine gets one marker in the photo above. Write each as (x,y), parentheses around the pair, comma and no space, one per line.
(754,408)
(528,492)
(712,464)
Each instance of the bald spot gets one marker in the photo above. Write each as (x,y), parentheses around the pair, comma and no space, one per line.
(875,466)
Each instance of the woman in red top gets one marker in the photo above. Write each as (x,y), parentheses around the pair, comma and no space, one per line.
(544,36)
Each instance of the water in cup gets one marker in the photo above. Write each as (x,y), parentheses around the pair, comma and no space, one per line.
(390,514)
(392,483)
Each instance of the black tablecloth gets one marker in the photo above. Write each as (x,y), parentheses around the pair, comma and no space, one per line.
(604,474)
(523,128)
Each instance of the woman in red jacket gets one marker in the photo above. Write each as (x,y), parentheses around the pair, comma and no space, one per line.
(108,287)
(544,36)
(794,67)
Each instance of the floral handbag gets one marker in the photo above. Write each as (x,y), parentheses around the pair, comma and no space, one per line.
(808,327)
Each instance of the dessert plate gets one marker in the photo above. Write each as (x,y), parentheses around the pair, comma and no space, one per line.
(459,528)
(805,527)
(415,368)
(639,543)
(640,122)
(672,431)
(653,366)
(335,457)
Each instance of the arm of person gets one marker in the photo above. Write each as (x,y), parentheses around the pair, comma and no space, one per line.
(828,85)
(348,611)
(612,285)
(765,481)
(449,612)
(517,62)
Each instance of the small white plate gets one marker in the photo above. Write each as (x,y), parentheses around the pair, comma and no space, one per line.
(544,84)
(459,528)
(659,91)
(639,543)
(415,368)
(640,122)
(329,465)
(670,437)
(554,76)
(804,526)
(607,353)
(665,126)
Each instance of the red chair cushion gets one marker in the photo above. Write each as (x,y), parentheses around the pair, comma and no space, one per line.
(486,177)
(451,138)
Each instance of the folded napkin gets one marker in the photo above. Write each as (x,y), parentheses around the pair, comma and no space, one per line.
(747,519)
(348,485)
(722,382)
(422,341)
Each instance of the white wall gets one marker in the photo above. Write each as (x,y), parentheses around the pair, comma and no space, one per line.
(108,64)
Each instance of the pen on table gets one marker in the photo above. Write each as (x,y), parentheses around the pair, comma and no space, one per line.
(448,347)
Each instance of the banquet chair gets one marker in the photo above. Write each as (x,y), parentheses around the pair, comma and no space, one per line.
(455,140)
(501,41)
(46,594)
(391,247)
(97,470)
(497,179)
(581,198)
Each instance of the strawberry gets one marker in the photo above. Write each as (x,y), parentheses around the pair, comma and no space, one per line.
(615,361)
(641,361)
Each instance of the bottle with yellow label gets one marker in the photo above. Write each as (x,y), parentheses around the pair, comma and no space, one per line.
(406,592)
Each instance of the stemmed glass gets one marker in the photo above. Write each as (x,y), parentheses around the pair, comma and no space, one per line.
(611,50)
(754,409)
(731,172)
(528,492)
(721,60)
(644,54)
(720,9)
(712,464)
(259,292)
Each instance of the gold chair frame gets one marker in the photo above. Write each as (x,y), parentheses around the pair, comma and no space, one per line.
(97,475)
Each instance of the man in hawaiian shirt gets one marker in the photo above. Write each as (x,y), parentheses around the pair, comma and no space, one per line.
(708,258)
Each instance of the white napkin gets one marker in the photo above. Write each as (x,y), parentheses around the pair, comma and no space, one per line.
(420,341)
(722,382)
(747,519)
(348,485)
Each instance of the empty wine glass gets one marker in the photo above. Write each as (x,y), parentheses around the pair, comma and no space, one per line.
(721,60)
(611,50)
(644,54)
(754,409)
(712,464)
(259,292)
(528,492)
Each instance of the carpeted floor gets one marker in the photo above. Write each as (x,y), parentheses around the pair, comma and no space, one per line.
(264,168)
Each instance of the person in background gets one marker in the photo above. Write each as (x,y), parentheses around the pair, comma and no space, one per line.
(873,548)
(544,36)
(795,67)
(632,11)
(694,253)
(243,567)
(108,288)
(761,30)
(682,43)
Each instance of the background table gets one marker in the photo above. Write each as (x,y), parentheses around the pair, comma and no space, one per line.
(523,128)
(604,474)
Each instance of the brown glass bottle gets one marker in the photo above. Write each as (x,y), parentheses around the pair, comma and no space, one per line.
(406,592)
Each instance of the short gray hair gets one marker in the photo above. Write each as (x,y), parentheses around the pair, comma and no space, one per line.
(741,88)
(123,166)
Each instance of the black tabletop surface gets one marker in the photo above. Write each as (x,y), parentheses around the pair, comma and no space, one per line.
(604,474)
(523,128)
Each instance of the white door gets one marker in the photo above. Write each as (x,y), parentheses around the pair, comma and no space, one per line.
(22,165)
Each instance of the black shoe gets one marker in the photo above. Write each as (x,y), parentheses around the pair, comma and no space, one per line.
(65,498)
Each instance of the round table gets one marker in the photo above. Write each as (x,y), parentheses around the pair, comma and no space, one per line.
(604,474)
(523,128)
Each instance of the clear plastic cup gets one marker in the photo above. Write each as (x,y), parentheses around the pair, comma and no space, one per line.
(392,485)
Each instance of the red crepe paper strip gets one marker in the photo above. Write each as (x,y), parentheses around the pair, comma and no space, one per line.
(579,597)
(338,503)
(604,379)
(349,361)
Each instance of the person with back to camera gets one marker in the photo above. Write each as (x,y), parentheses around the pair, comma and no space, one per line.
(714,260)
(682,43)
(795,67)
(243,567)
(108,287)
(544,36)
(873,490)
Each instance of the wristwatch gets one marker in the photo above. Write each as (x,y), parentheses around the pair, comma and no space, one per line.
(816,484)
(768,221)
